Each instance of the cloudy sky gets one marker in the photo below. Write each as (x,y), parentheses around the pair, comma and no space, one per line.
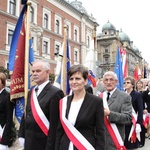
(132,16)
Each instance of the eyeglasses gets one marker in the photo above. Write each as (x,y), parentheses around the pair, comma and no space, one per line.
(127,83)
(110,80)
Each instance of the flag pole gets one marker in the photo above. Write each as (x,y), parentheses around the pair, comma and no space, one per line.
(26,68)
(64,61)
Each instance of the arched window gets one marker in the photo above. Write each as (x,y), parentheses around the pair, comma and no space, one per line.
(31,14)
(46,21)
(12,7)
(57,26)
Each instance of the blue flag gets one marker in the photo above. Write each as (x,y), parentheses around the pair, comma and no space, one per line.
(118,70)
(59,69)
(17,64)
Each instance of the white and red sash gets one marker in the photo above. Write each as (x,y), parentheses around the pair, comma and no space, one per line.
(145,120)
(112,128)
(1,132)
(132,134)
(38,114)
(73,134)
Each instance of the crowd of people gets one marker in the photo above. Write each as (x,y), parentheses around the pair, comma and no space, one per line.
(108,120)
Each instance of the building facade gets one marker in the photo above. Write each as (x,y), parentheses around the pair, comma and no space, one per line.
(47,20)
(108,42)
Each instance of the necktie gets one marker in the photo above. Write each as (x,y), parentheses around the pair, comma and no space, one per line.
(36,90)
(108,94)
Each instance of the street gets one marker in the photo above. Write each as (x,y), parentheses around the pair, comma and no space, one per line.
(147,145)
(16,146)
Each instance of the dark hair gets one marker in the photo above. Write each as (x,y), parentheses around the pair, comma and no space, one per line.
(131,79)
(78,68)
(3,78)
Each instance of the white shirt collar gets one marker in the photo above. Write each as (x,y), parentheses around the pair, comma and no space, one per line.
(41,87)
(1,90)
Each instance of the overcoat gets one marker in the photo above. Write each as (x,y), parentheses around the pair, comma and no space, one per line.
(89,122)
(120,113)
(35,139)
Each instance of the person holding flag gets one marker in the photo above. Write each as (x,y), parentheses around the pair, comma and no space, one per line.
(38,126)
(81,124)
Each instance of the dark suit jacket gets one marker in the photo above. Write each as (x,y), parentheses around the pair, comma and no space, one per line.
(88,88)
(35,139)
(120,113)
(137,104)
(6,116)
(89,122)
(146,99)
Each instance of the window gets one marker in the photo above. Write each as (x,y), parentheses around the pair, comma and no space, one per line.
(31,14)
(57,50)
(45,47)
(57,26)
(10,35)
(88,41)
(12,7)
(67,31)
(75,35)
(46,21)
(75,56)
(106,60)
(106,50)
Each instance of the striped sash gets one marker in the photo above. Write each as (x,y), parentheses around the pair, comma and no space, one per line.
(38,114)
(73,134)
(112,128)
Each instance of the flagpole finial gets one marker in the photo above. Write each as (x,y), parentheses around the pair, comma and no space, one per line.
(29,3)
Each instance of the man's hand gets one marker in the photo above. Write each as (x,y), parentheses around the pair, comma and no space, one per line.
(106,112)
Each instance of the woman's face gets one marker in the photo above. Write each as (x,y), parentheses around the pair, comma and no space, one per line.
(77,82)
(139,85)
(128,85)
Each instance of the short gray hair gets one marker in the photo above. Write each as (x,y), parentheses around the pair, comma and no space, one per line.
(110,73)
(44,63)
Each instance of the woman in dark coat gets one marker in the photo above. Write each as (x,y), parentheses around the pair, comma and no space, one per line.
(129,85)
(85,114)
(139,88)
(6,114)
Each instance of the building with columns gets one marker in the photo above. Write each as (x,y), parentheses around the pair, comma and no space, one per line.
(107,44)
(47,20)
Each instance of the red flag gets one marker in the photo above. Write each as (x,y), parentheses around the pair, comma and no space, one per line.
(17,78)
(136,70)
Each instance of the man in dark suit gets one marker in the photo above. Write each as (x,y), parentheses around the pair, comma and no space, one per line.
(117,108)
(39,124)
(88,88)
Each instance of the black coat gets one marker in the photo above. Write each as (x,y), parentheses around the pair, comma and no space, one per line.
(137,104)
(6,116)
(35,139)
(89,122)
(146,98)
